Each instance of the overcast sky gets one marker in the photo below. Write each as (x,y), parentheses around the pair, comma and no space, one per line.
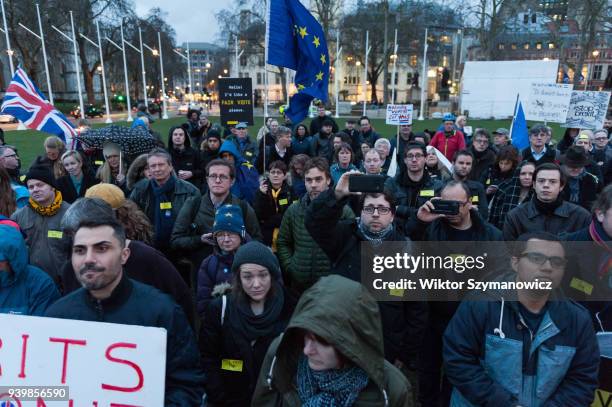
(193,20)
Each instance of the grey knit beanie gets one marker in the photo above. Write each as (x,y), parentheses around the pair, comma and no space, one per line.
(256,253)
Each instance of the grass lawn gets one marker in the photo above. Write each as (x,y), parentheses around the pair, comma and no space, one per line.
(30,142)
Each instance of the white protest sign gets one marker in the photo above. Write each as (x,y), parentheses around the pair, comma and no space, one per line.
(548,102)
(399,114)
(587,110)
(97,364)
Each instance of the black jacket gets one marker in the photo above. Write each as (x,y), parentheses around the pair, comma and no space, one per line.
(271,156)
(134,303)
(317,122)
(526,218)
(482,162)
(270,210)
(149,266)
(322,146)
(188,159)
(550,156)
(403,322)
(221,342)
(588,186)
(66,187)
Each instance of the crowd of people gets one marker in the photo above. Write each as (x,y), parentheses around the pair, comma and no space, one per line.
(248,250)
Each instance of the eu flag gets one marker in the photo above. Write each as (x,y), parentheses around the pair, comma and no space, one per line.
(295,40)
(520,138)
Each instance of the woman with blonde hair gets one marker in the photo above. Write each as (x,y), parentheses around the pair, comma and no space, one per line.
(114,169)
(79,178)
(54,148)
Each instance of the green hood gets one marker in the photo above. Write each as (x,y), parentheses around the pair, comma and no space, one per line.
(343,313)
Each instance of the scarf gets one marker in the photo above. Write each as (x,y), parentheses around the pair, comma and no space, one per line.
(163,217)
(601,239)
(329,388)
(50,210)
(253,327)
(574,187)
(375,237)
(547,208)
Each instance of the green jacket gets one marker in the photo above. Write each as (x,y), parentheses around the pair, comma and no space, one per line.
(300,257)
(345,315)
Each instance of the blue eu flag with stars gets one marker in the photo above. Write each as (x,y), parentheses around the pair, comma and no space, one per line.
(295,40)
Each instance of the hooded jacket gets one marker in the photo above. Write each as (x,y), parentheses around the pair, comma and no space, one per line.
(188,159)
(345,315)
(448,145)
(135,171)
(248,152)
(247,177)
(27,290)
(492,357)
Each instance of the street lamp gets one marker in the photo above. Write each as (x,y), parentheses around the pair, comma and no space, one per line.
(208,64)
(225,71)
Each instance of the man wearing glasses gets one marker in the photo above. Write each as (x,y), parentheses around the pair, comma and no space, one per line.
(195,221)
(343,241)
(523,347)
(9,160)
(538,151)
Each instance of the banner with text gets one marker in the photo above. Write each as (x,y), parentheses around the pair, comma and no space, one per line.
(587,110)
(60,362)
(399,114)
(548,102)
(236,101)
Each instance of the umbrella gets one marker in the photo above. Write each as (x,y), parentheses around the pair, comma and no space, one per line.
(132,141)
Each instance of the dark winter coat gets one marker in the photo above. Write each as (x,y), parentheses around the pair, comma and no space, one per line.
(27,290)
(369,137)
(148,266)
(317,122)
(270,210)
(220,342)
(301,145)
(188,159)
(197,217)
(550,156)
(69,192)
(215,270)
(322,146)
(302,260)
(403,322)
(246,181)
(589,187)
(271,156)
(248,151)
(526,218)
(481,165)
(344,314)
(134,303)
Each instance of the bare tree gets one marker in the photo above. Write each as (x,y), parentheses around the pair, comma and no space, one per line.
(594,17)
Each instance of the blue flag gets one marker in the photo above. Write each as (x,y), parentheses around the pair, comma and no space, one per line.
(520,137)
(295,40)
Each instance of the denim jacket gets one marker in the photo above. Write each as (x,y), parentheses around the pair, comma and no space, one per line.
(492,357)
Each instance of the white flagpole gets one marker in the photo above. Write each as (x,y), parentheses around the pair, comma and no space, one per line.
(337,72)
(127,85)
(9,51)
(267,22)
(161,66)
(365,72)
(423,80)
(235,73)
(144,72)
(76,67)
(189,71)
(108,118)
(44,50)
(395,56)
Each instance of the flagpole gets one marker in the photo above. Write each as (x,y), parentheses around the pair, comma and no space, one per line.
(108,118)
(44,50)
(423,79)
(76,67)
(365,72)
(144,72)
(336,72)
(125,71)
(267,28)
(513,116)
(394,71)
(9,51)
(161,66)
(189,72)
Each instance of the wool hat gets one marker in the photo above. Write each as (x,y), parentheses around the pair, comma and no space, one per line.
(109,193)
(501,131)
(213,134)
(41,174)
(229,219)
(575,156)
(256,253)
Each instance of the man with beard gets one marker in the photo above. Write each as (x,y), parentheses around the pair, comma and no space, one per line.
(98,254)
(322,142)
(9,160)
(462,168)
(484,156)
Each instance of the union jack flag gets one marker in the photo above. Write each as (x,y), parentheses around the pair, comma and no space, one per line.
(25,102)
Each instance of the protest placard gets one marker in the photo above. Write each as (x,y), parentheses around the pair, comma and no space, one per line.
(399,114)
(48,362)
(587,110)
(548,102)
(236,101)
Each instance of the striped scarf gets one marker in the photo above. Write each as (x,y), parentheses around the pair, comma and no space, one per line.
(48,210)
(597,234)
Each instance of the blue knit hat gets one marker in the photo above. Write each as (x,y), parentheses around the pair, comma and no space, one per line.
(229,219)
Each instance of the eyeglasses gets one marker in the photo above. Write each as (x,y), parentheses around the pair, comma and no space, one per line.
(382,210)
(214,177)
(540,259)
(226,235)
(414,156)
